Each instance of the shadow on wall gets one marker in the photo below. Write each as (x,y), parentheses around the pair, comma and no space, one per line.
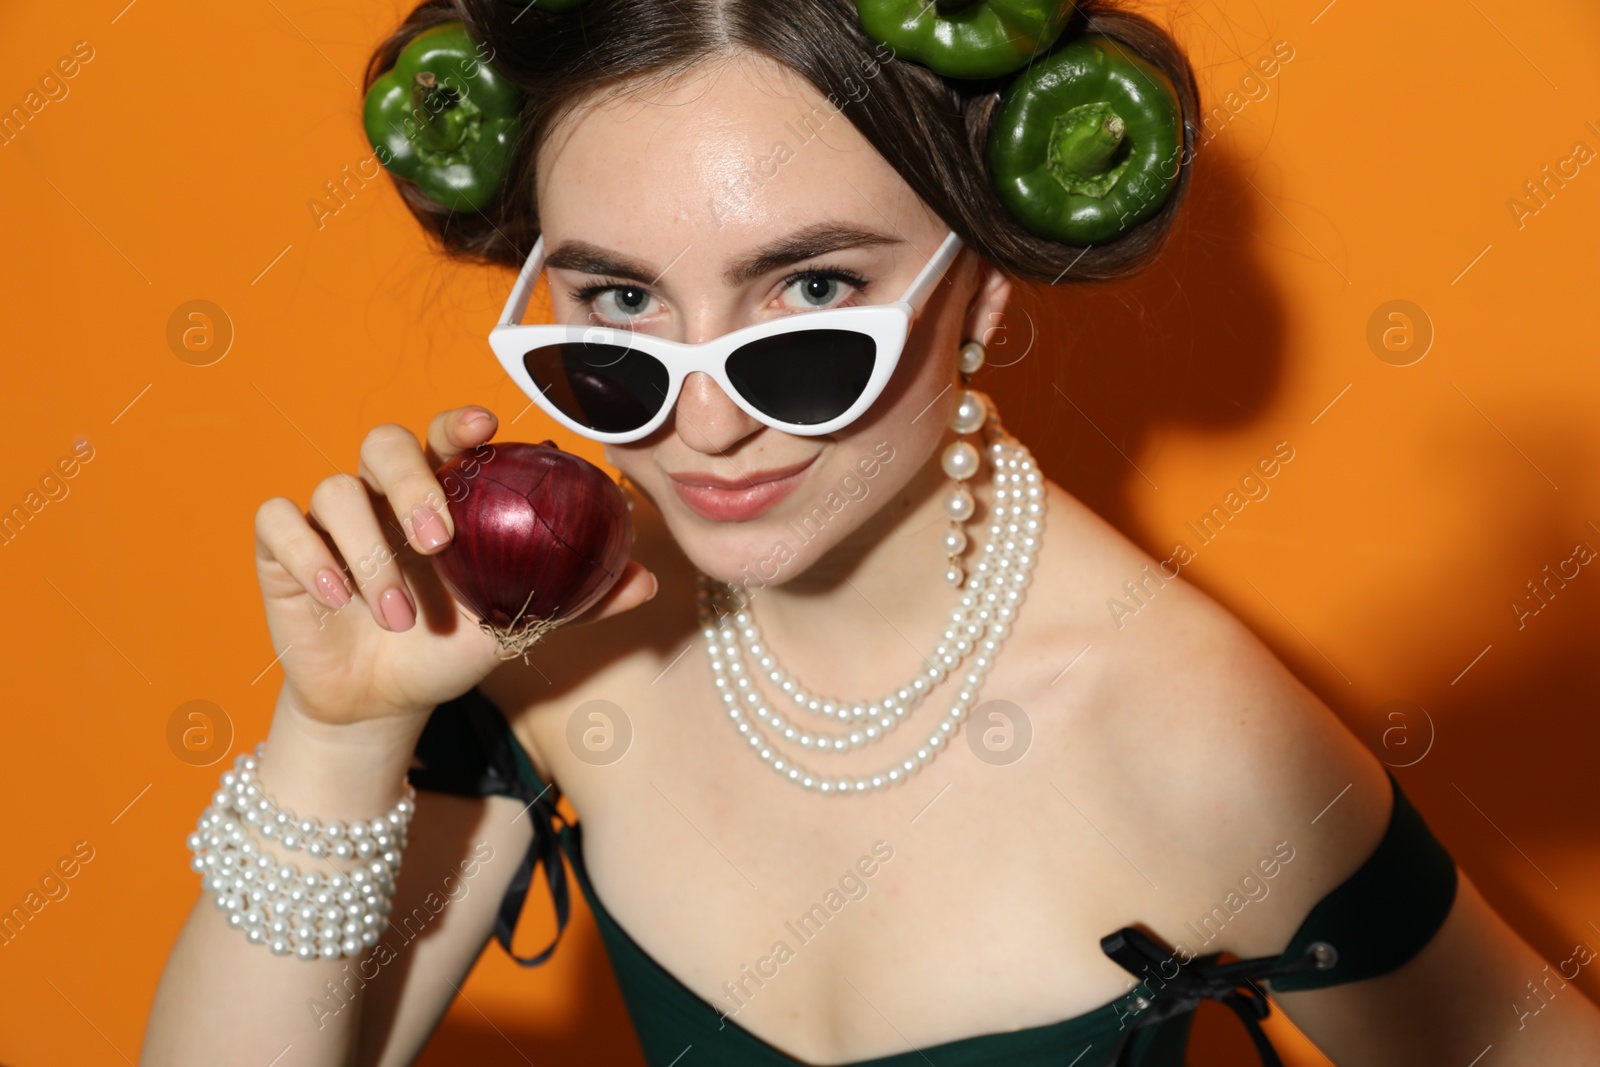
(1196,339)
(1513,796)
(596,1032)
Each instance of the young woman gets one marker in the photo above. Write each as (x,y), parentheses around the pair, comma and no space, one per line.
(1026,846)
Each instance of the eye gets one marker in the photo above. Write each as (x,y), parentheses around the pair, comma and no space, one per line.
(629,301)
(616,302)
(814,289)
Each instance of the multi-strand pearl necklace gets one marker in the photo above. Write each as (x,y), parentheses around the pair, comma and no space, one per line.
(980,623)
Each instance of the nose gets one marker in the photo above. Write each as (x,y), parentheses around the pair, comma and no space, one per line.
(707,419)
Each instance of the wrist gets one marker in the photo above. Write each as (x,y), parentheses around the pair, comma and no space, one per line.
(345,771)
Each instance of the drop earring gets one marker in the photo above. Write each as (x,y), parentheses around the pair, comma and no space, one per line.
(961,460)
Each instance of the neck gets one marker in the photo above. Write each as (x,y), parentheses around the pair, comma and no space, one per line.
(863,616)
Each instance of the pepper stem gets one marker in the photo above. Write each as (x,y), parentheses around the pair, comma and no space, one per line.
(432,103)
(1083,144)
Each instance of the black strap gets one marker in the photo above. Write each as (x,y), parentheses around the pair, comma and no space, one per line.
(1384,913)
(1371,923)
(467,748)
(1176,988)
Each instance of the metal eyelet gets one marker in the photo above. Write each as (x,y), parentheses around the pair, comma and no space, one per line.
(1325,954)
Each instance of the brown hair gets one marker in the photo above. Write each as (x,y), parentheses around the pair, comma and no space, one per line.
(932,130)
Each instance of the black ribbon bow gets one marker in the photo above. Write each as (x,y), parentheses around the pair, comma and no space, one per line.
(1231,983)
(466,749)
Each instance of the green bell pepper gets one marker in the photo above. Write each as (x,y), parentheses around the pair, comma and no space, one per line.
(446,119)
(966,38)
(1087,142)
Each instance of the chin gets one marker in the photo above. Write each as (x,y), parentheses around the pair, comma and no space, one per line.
(766,551)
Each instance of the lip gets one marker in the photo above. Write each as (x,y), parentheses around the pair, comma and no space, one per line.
(722,500)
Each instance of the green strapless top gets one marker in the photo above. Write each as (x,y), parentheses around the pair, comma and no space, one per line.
(1370,924)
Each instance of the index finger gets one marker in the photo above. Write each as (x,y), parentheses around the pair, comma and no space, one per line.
(454,432)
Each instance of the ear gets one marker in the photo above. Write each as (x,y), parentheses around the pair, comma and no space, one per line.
(988,305)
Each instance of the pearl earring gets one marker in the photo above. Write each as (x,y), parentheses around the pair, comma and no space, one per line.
(961,460)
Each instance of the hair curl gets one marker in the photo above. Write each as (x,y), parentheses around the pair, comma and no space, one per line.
(931,129)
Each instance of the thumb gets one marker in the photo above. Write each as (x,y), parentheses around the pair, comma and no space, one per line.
(636,586)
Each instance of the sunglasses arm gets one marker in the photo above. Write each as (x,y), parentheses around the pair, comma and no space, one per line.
(517,305)
(924,282)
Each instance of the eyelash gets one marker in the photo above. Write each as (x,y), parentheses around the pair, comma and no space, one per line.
(851,278)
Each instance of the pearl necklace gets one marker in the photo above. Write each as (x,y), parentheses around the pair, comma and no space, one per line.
(980,624)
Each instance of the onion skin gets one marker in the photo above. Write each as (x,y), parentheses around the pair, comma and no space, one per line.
(541,535)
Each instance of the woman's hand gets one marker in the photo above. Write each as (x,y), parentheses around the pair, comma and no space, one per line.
(362,624)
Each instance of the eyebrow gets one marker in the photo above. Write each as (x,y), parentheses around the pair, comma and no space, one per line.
(808,242)
(585,258)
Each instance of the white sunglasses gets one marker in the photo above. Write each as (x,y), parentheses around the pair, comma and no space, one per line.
(804,373)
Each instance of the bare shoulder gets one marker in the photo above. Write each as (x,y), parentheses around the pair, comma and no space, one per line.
(571,663)
(1220,757)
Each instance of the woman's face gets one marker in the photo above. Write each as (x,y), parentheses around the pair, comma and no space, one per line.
(727,197)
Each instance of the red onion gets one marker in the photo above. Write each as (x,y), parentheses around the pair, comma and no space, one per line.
(541,534)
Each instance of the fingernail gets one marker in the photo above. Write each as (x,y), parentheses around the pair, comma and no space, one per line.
(428,527)
(475,417)
(397,609)
(333,588)
(655,587)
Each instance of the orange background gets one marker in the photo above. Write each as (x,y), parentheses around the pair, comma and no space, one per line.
(1381,567)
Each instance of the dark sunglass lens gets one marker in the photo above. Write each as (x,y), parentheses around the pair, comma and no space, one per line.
(805,377)
(610,388)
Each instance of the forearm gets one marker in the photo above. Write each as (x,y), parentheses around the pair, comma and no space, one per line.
(221,998)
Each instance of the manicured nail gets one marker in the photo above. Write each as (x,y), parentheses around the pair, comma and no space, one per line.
(397,609)
(476,417)
(333,588)
(429,528)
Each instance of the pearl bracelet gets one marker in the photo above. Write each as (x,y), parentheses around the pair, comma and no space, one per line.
(358,840)
(311,915)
